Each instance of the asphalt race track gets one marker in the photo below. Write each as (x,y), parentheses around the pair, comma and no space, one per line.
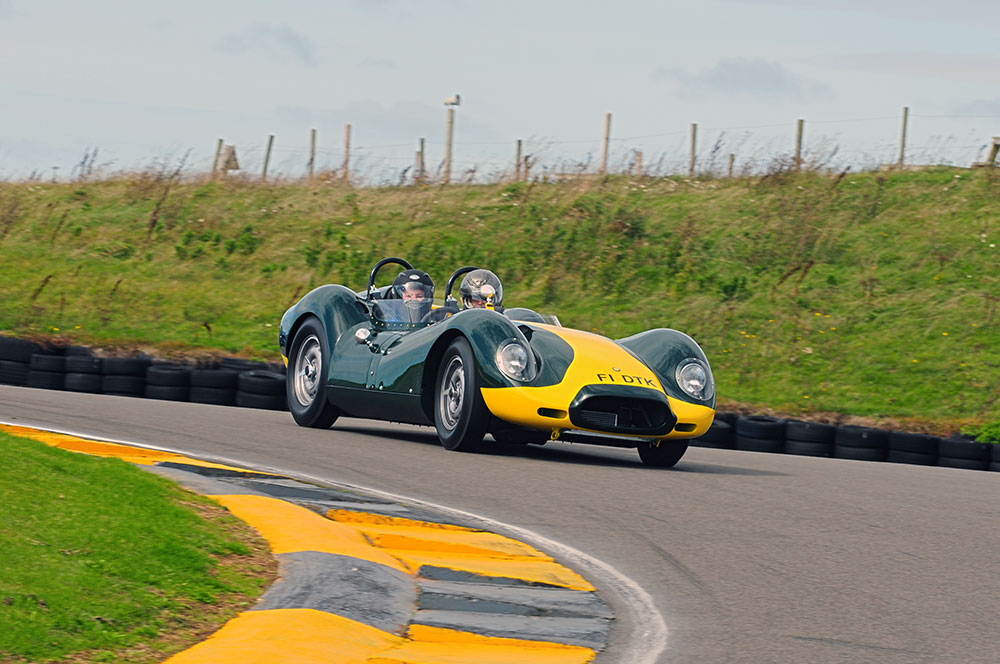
(748,557)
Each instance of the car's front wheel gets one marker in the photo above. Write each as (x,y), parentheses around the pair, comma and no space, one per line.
(664,455)
(305,381)
(460,415)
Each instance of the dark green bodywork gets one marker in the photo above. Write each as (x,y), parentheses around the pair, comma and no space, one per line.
(392,376)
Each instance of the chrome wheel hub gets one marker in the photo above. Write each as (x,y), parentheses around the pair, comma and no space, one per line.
(306,376)
(452,393)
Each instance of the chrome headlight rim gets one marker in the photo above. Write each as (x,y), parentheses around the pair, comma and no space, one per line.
(686,376)
(508,351)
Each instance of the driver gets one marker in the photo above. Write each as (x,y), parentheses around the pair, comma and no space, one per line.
(416,289)
(481,289)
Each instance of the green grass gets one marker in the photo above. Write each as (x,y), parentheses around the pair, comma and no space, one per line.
(99,556)
(871,294)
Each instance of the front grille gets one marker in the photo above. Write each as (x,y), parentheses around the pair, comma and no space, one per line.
(618,414)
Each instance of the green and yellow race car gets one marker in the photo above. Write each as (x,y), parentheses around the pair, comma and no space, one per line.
(473,368)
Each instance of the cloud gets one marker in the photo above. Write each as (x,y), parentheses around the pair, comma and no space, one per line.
(279,40)
(6,8)
(751,78)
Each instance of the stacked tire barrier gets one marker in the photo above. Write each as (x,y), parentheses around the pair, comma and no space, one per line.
(168,381)
(226,382)
(261,389)
(809,438)
(758,433)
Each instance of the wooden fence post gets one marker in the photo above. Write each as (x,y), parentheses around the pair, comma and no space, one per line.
(694,148)
(218,153)
(732,159)
(902,137)
(638,162)
(517,162)
(345,173)
(448,133)
(312,153)
(267,156)
(798,144)
(418,166)
(604,143)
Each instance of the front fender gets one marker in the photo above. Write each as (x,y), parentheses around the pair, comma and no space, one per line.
(662,350)
(485,330)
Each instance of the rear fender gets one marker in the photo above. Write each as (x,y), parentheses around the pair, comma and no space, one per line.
(338,309)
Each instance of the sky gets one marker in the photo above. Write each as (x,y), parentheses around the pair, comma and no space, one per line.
(148,84)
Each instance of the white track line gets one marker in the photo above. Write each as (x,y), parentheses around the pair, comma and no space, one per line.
(648,633)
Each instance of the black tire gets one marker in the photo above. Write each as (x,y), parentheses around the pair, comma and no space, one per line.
(964,453)
(305,384)
(18,350)
(859,453)
(752,444)
(809,448)
(915,458)
(218,378)
(83,364)
(125,366)
(760,426)
(46,380)
(134,386)
(727,417)
(664,455)
(261,382)
(168,375)
(219,396)
(812,432)
(460,415)
(83,382)
(168,392)
(913,443)
(995,457)
(266,401)
(861,443)
(963,448)
(719,436)
(45,362)
(239,364)
(78,351)
(13,373)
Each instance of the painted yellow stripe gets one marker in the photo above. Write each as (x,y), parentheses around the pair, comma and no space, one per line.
(289,528)
(308,636)
(137,455)
(418,543)
(435,645)
(289,636)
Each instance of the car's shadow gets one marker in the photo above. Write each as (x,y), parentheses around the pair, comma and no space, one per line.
(590,455)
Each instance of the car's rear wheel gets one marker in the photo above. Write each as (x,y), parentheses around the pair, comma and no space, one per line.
(305,381)
(664,455)
(460,415)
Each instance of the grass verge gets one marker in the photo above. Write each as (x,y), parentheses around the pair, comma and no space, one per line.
(869,294)
(103,562)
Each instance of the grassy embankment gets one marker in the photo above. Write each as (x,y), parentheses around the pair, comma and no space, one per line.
(871,295)
(105,563)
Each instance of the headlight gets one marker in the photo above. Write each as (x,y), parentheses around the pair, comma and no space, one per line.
(516,362)
(695,378)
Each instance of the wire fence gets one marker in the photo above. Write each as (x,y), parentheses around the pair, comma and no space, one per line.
(835,145)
